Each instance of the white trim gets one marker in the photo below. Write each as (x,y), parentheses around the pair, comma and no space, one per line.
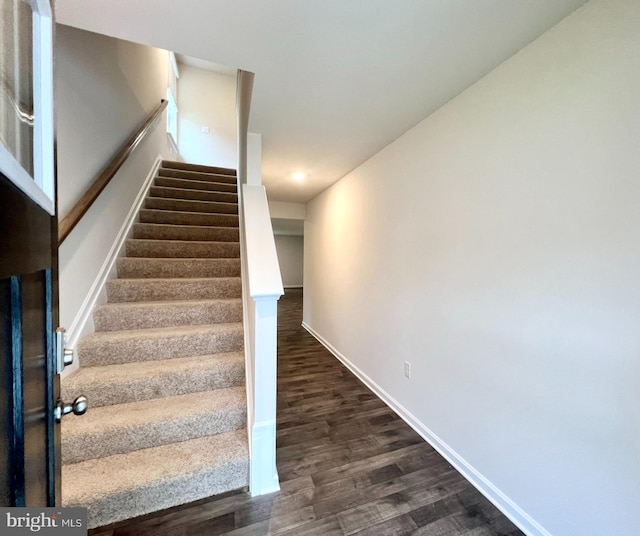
(523,520)
(43,130)
(174,64)
(86,309)
(174,145)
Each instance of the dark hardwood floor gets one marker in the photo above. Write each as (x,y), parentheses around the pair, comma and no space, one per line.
(347,465)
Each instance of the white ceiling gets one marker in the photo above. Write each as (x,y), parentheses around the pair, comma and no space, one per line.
(336,80)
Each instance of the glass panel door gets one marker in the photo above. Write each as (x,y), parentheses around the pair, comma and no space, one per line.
(26,98)
(16,81)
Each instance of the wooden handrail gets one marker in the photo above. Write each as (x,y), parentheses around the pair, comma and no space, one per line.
(78,210)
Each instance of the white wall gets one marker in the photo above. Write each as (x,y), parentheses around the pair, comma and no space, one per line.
(104,89)
(207,99)
(287,211)
(495,247)
(290,257)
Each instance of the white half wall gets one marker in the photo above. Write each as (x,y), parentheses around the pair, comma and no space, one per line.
(254,158)
(495,247)
(104,89)
(291,259)
(207,100)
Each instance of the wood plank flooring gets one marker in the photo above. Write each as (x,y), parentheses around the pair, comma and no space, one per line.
(347,465)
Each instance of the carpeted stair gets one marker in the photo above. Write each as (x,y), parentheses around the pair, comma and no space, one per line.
(164,371)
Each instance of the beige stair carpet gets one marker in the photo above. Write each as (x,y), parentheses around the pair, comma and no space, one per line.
(164,371)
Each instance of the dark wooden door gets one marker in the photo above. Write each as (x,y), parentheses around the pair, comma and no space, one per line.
(29,384)
(28,282)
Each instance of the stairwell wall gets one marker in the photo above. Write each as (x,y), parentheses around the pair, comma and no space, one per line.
(495,247)
(104,89)
(290,250)
(207,99)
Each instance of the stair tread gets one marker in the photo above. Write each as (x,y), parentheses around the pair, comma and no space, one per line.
(127,372)
(164,313)
(127,290)
(181,242)
(111,418)
(159,231)
(186,166)
(154,344)
(198,201)
(188,212)
(165,303)
(126,485)
(122,428)
(182,249)
(181,217)
(191,205)
(185,226)
(147,379)
(175,189)
(151,280)
(145,333)
(180,260)
(188,184)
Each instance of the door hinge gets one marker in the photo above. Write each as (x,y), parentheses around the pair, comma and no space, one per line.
(64,356)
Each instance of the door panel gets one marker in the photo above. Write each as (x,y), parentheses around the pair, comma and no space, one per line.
(27,316)
(29,385)
(35,351)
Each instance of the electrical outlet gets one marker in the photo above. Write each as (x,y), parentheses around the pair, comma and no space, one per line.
(407,370)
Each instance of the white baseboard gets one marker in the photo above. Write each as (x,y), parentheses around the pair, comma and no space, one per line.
(524,522)
(83,322)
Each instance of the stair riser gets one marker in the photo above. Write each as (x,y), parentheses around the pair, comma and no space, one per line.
(193,195)
(207,207)
(172,164)
(196,185)
(78,448)
(154,231)
(197,175)
(177,268)
(182,249)
(214,373)
(188,218)
(98,353)
(117,318)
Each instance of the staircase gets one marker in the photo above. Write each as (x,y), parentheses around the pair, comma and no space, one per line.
(164,371)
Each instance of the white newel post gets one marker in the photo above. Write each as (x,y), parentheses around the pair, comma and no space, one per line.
(264,474)
(264,291)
